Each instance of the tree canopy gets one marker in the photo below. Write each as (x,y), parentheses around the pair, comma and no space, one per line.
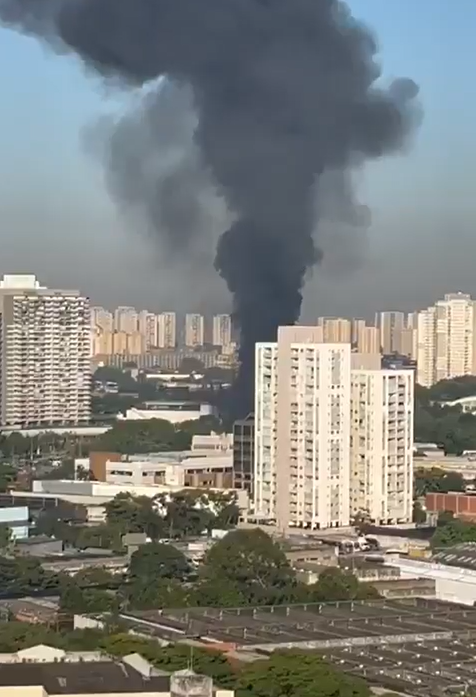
(283,674)
(437,480)
(250,563)
(453,532)
(449,427)
(159,561)
(154,435)
(297,674)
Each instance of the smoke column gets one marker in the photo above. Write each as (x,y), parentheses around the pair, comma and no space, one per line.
(284,91)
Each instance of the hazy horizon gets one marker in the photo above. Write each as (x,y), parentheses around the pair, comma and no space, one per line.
(58,222)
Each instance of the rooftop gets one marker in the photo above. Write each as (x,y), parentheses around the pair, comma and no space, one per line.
(101,677)
(65,673)
(462,555)
(310,626)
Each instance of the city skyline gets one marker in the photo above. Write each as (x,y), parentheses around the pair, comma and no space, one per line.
(422,205)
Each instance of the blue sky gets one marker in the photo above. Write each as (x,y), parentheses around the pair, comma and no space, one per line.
(56,218)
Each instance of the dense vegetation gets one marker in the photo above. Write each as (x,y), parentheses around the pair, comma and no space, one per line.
(246,567)
(437,480)
(188,513)
(125,437)
(449,427)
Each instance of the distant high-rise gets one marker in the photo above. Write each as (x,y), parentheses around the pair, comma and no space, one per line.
(102,319)
(357,326)
(390,325)
(335,330)
(125,319)
(222,330)
(45,366)
(148,327)
(167,330)
(194,330)
(368,340)
(302,430)
(446,336)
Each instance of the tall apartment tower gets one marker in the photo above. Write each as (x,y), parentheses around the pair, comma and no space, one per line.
(368,340)
(194,330)
(167,330)
(102,318)
(45,368)
(445,340)
(125,319)
(302,430)
(391,325)
(221,330)
(336,330)
(148,328)
(382,445)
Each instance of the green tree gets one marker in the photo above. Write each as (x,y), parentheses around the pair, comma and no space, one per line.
(251,563)
(87,600)
(129,513)
(130,437)
(6,539)
(437,480)
(454,532)
(450,390)
(187,514)
(335,584)
(444,518)
(159,561)
(419,515)
(8,476)
(148,593)
(297,674)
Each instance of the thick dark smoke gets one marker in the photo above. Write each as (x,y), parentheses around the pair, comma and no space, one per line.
(284,92)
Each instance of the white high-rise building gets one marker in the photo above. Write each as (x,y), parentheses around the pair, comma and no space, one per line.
(45,370)
(445,340)
(222,330)
(382,445)
(302,430)
(167,330)
(126,320)
(148,327)
(391,325)
(194,330)
(102,319)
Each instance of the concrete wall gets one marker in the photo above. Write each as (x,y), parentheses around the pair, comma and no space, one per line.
(451,582)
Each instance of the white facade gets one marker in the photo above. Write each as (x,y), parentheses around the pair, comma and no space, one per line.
(222,330)
(45,355)
(167,330)
(302,430)
(382,445)
(194,330)
(102,319)
(445,340)
(175,412)
(126,319)
(148,327)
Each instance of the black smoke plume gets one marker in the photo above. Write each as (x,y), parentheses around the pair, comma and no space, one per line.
(284,92)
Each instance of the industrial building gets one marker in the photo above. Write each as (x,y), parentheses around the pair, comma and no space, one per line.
(417,646)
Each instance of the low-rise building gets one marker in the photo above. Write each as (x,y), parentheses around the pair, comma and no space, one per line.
(44,671)
(94,495)
(175,412)
(16,518)
(463,505)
